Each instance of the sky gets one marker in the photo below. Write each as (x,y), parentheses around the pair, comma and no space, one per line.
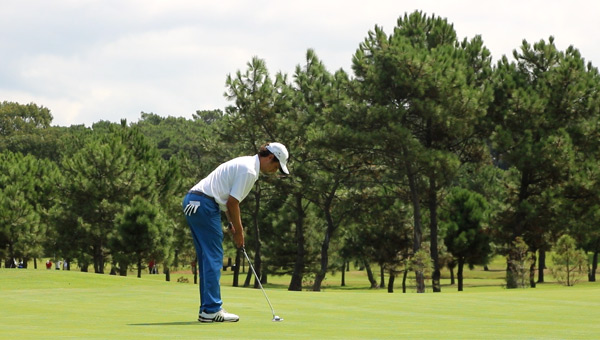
(107,60)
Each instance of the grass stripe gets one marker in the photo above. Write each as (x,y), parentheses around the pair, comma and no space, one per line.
(40,304)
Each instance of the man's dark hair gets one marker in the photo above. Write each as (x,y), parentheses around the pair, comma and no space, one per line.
(264,152)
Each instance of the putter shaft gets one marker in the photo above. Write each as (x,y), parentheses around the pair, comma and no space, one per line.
(258,280)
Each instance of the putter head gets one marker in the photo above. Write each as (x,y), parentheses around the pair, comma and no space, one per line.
(277,318)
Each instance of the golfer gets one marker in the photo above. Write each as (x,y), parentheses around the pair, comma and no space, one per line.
(223,190)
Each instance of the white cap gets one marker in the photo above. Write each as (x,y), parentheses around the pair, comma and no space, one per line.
(282,155)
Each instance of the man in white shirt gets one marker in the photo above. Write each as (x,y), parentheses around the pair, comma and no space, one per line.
(223,190)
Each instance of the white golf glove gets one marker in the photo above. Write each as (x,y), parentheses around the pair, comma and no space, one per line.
(191,208)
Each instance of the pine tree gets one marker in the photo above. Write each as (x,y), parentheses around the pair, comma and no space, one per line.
(424,94)
(569,263)
(464,222)
(543,102)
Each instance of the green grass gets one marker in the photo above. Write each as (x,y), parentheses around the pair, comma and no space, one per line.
(49,304)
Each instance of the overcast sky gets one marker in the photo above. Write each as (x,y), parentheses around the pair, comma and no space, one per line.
(92,60)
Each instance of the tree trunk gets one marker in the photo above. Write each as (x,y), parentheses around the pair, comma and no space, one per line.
(176,259)
(257,268)
(541,266)
(382,274)
(123,269)
(195,269)
(404,280)
(167,274)
(417,227)
(420,281)
(433,223)
(370,274)
(324,251)
(298,272)
(139,268)
(10,262)
(532,269)
(248,278)
(243,259)
(98,259)
(511,275)
(592,274)
(34,263)
(391,281)
(343,283)
(433,228)
(459,274)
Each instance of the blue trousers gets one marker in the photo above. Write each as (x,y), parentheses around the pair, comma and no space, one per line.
(205,225)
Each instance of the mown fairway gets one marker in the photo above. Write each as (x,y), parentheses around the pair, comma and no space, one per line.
(48,304)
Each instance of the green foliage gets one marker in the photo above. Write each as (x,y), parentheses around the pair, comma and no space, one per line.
(142,234)
(569,263)
(464,220)
(26,193)
(100,181)
(17,118)
(19,223)
(464,226)
(422,264)
(543,103)
(381,232)
(518,262)
(318,94)
(424,96)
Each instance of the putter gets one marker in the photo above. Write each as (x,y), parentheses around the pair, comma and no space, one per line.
(275,317)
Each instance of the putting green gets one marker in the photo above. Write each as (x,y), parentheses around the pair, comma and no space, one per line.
(48,304)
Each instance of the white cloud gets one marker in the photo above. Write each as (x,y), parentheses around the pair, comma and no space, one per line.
(91,60)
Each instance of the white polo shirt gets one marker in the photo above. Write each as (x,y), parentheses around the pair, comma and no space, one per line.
(235,177)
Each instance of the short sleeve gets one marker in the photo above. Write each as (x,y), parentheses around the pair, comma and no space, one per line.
(242,185)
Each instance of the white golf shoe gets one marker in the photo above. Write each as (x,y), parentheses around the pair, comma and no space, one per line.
(220,316)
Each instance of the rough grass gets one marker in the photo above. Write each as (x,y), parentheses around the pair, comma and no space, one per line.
(49,304)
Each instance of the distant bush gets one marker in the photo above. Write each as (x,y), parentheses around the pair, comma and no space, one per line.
(570,263)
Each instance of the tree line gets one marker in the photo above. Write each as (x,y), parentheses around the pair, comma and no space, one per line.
(427,156)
